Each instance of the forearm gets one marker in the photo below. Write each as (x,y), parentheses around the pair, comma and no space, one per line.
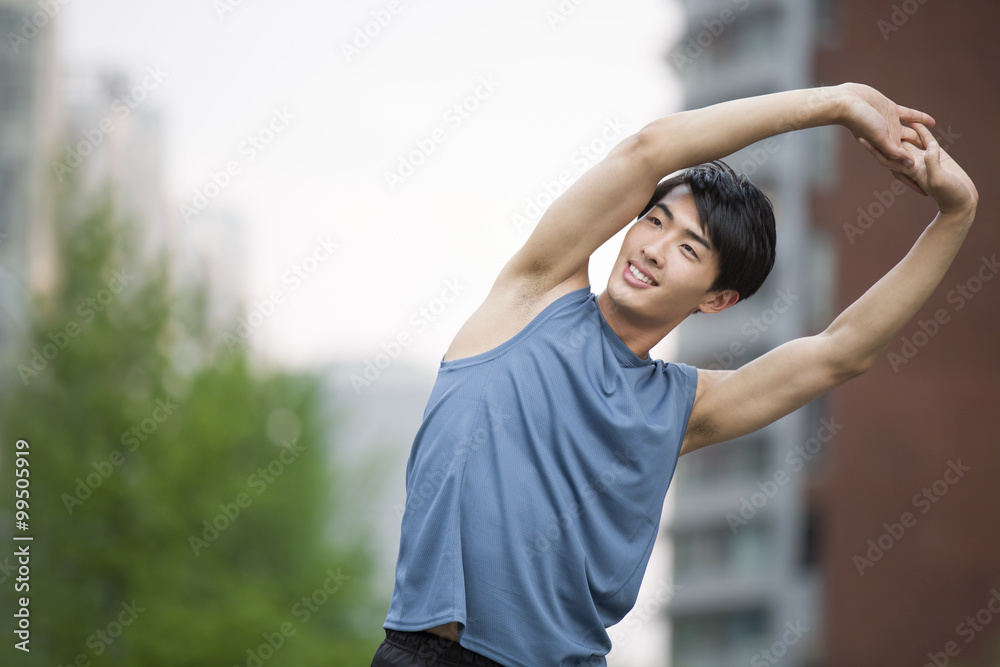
(733,403)
(863,331)
(693,137)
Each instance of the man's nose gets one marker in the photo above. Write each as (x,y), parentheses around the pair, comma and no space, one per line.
(654,253)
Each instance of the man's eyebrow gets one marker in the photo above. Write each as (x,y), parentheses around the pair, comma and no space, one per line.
(697,237)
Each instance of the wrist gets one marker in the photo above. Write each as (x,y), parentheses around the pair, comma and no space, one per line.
(813,107)
(960,206)
(961,215)
(840,99)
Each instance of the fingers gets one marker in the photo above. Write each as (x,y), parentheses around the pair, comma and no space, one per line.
(932,151)
(887,162)
(893,165)
(909,134)
(912,184)
(914,116)
(932,161)
(926,138)
(890,155)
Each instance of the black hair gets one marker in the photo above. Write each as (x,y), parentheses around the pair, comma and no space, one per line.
(738,218)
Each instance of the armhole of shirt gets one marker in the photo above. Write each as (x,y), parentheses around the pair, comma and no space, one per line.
(689,378)
(565,301)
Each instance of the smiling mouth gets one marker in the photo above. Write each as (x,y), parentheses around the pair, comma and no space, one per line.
(636,277)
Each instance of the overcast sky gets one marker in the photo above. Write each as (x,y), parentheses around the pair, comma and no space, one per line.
(541,89)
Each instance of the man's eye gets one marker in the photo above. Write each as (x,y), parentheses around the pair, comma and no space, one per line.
(655,221)
(689,249)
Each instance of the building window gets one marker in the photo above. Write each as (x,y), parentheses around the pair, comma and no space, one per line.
(729,463)
(716,551)
(717,638)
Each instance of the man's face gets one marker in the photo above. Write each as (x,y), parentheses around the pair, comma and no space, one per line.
(676,262)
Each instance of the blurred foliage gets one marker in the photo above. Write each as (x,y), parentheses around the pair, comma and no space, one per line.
(181,500)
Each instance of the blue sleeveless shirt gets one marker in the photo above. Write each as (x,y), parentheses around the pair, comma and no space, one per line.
(535,486)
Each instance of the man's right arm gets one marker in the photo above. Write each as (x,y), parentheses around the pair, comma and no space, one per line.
(613,192)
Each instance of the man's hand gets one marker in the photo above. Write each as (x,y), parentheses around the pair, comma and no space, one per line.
(935,172)
(880,124)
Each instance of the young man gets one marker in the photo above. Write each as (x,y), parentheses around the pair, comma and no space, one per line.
(536,481)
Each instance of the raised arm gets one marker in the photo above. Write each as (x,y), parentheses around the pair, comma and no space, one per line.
(732,403)
(614,191)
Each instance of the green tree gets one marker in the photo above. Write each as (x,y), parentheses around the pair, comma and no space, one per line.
(181,498)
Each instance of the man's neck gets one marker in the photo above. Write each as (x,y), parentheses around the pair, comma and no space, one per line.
(637,338)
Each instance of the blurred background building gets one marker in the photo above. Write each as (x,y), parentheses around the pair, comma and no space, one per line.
(771,532)
(28,124)
(745,551)
(93,123)
(120,136)
(920,409)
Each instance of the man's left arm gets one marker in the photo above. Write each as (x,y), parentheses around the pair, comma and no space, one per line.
(729,404)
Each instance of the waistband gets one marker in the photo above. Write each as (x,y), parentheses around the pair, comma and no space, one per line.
(438,649)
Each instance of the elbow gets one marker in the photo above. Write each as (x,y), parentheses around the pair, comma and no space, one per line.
(844,362)
(650,143)
(857,366)
(842,370)
(642,146)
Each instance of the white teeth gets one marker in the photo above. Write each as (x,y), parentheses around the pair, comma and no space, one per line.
(638,274)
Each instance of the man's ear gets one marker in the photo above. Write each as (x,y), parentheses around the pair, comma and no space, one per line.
(718,301)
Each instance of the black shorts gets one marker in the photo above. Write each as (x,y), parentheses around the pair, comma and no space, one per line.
(423,649)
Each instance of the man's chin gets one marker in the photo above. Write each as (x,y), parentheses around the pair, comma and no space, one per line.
(634,302)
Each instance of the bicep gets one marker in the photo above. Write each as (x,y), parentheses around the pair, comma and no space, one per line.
(729,404)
